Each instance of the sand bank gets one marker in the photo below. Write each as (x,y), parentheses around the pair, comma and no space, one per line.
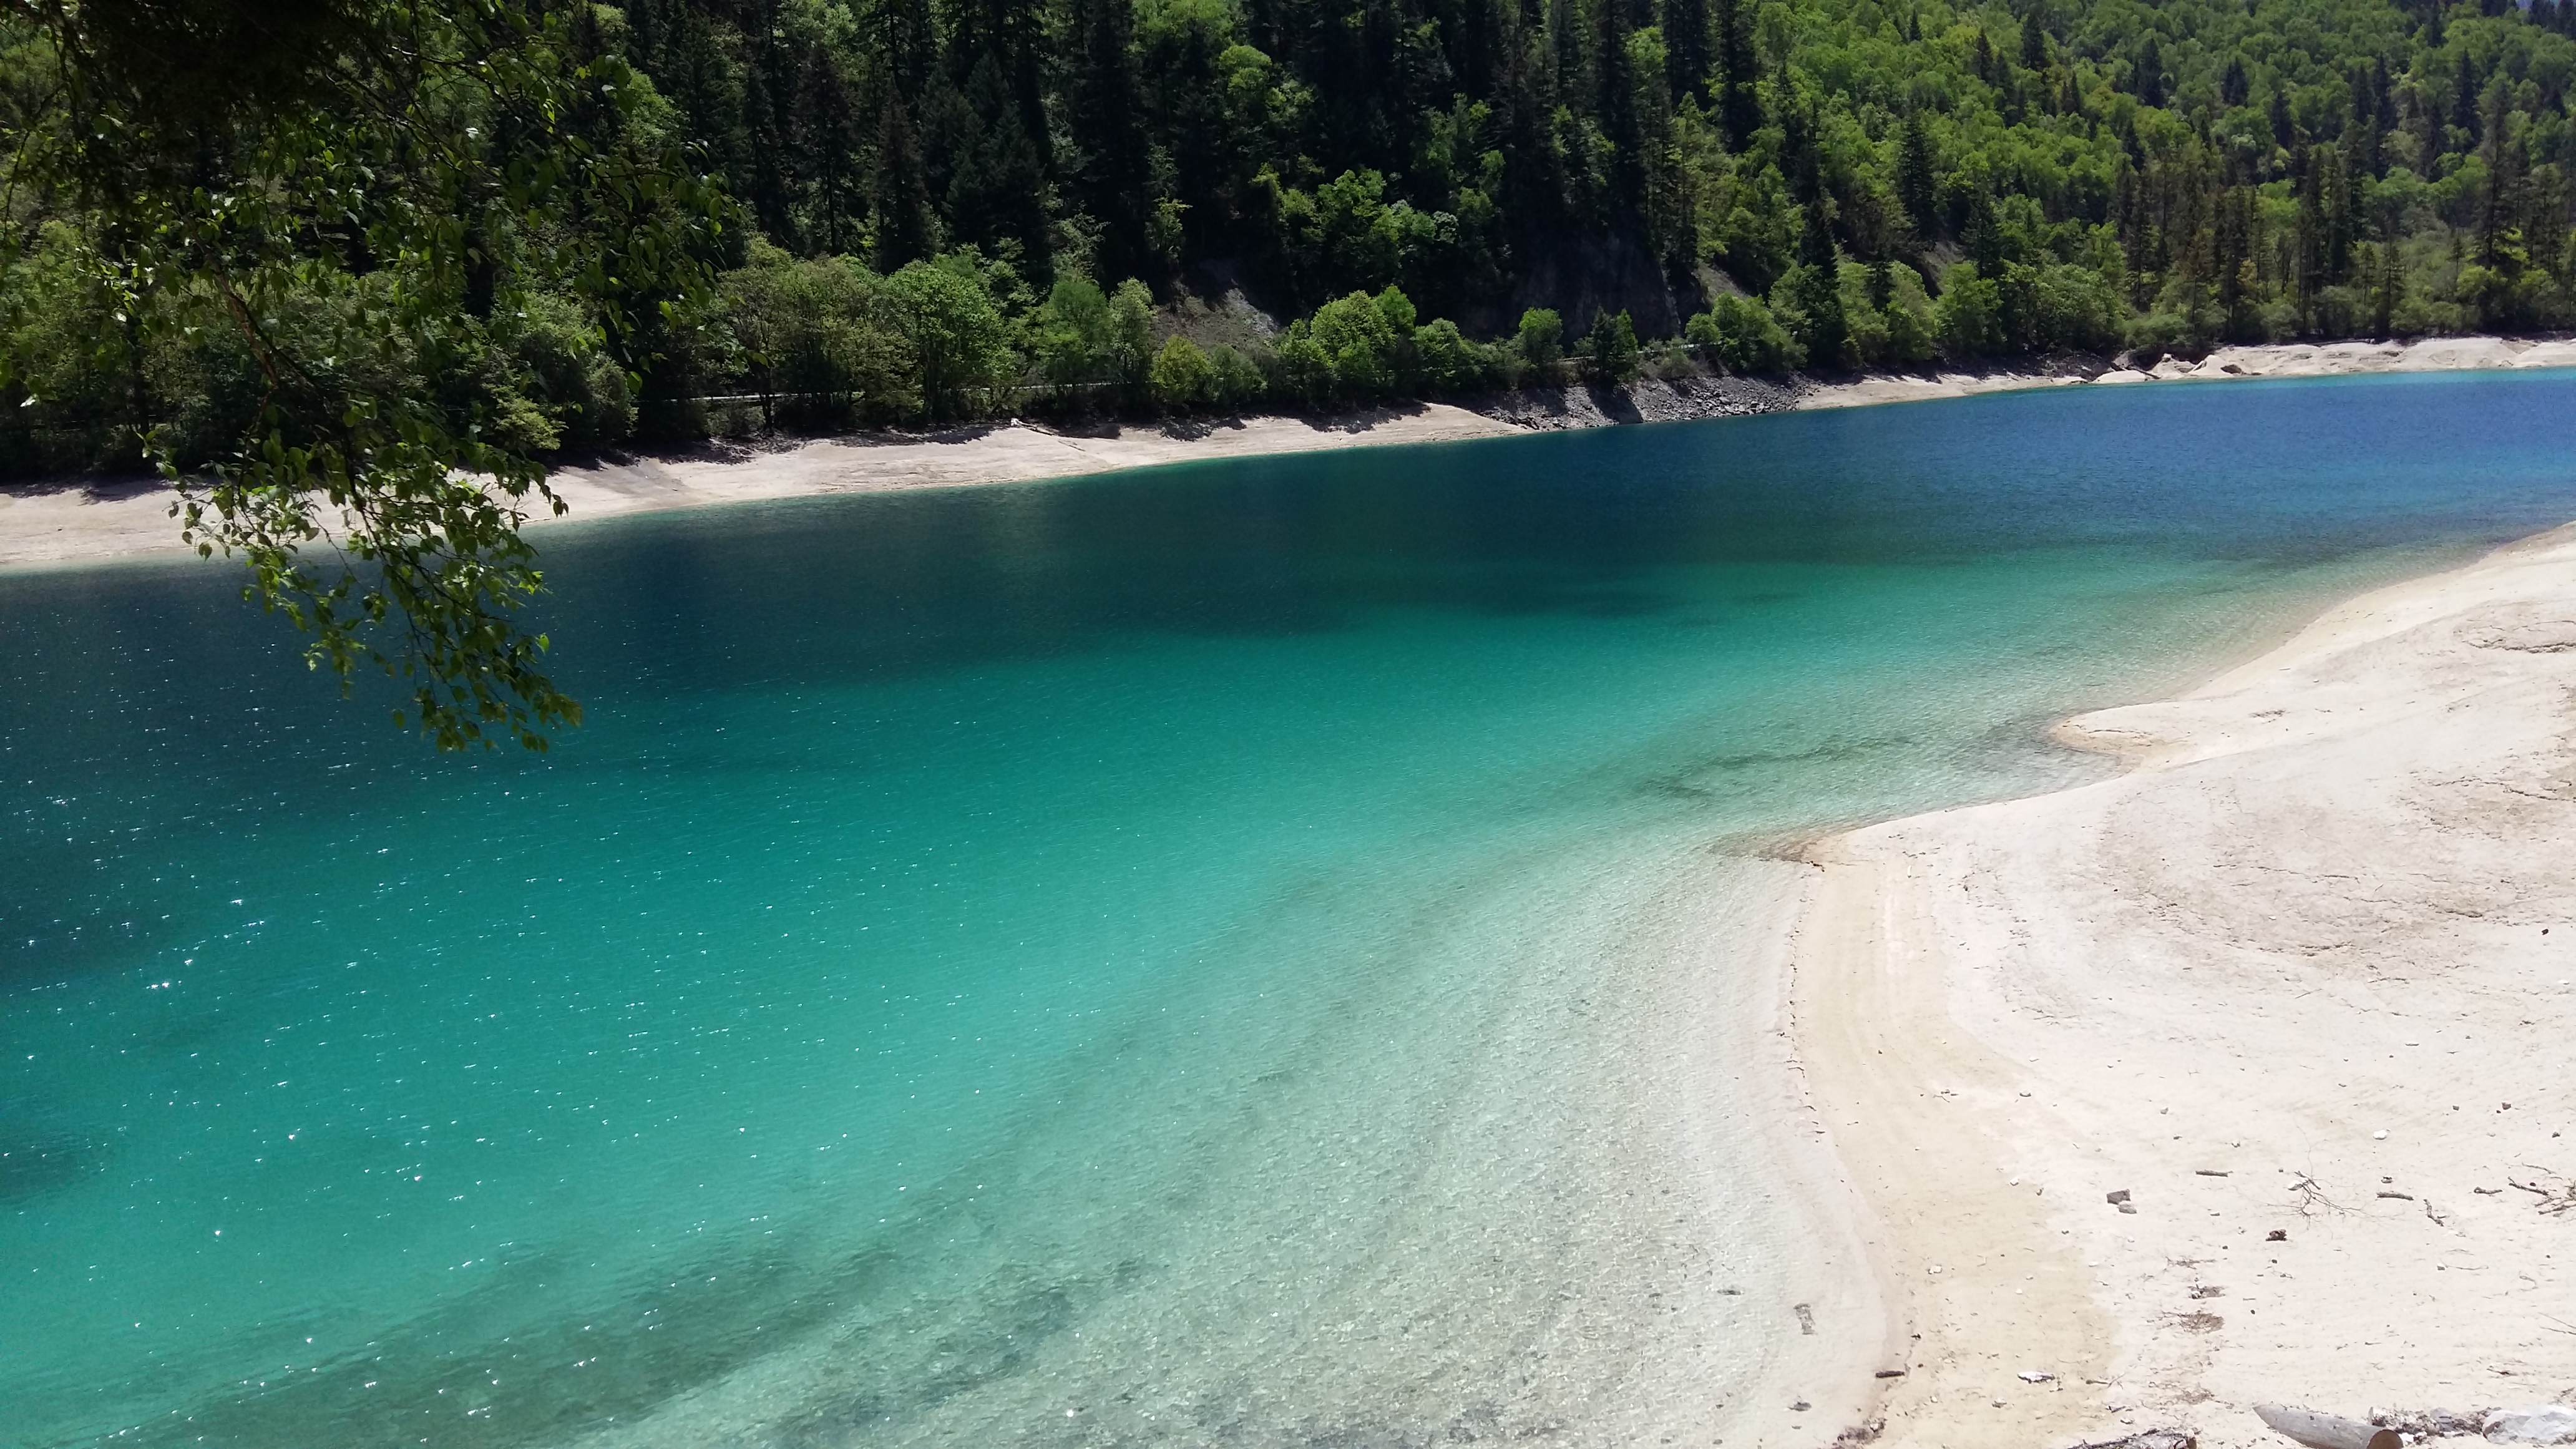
(79,523)
(2287,359)
(2303,970)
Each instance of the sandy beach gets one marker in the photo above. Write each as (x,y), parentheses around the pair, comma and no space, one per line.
(84,521)
(2286,359)
(2295,986)
(78,523)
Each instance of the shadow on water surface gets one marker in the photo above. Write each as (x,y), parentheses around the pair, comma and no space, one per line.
(41,1155)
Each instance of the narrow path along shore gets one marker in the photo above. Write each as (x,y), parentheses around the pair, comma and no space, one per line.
(2296,989)
(88,521)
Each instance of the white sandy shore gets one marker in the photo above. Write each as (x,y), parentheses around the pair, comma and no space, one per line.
(76,523)
(2289,359)
(82,525)
(2305,967)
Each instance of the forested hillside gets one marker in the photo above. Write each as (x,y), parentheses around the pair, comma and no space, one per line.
(947,207)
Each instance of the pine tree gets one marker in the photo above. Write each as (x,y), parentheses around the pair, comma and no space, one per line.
(1686,49)
(2364,137)
(1916,183)
(2499,202)
(997,181)
(2464,99)
(905,228)
(828,134)
(766,106)
(2147,74)
(1819,293)
(1614,102)
(1113,177)
(1737,104)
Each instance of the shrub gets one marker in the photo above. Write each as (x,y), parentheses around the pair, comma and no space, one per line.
(1610,349)
(1072,342)
(960,345)
(67,366)
(2077,309)
(1235,381)
(1093,347)
(1449,362)
(1541,341)
(1742,334)
(818,342)
(1357,338)
(1970,314)
(1301,370)
(1183,379)
(580,390)
(1807,303)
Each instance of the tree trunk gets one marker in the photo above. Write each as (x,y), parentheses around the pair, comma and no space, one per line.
(2325,1431)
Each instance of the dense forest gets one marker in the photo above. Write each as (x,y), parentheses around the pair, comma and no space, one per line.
(929,209)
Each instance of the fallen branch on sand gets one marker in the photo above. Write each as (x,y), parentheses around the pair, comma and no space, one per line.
(2149,1439)
(2555,1197)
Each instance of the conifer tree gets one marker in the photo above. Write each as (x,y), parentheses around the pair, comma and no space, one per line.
(2147,74)
(1737,104)
(1915,183)
(1686,49)
(1112,178)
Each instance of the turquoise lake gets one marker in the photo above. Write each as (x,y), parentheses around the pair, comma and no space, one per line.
(1214,955)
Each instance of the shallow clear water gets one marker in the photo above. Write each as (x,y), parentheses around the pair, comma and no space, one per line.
(1217,955)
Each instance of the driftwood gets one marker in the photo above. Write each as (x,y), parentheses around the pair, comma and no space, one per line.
(2325,1431)
(2149,1439)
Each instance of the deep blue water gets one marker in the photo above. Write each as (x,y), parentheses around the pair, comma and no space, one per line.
(1204,955)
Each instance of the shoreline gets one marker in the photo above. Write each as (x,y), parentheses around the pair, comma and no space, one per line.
(100,521)
(2289,971)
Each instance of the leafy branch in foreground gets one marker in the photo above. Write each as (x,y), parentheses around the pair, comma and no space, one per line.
(368,205)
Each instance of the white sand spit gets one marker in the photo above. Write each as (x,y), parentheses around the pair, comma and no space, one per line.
(2303,970)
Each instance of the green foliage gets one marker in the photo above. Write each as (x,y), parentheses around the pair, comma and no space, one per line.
(1183,379)
(1130,349)
(364,204)
(1807,302)
(1075,343)
(2217,167)
(2074,308)
(960,345)
(1741,333)
(1610,353)
(1302,369)
(1891,320)
(76,365)
(1970,314)
(1357,338)
(820,343)
(1541,340)
(1235,382)
(1451,364)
